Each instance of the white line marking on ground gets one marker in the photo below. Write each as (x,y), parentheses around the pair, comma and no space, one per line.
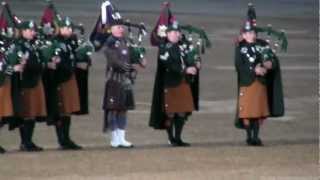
(287,68)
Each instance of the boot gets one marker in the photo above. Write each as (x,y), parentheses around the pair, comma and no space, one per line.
(115,143)
(26,134)
(179,123)
(67,144)
(256,141)
(249,129)
(60,135)
(171,138)
(2,150)
(122,139)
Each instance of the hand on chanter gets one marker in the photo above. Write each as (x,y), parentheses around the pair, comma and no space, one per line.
(191,70)
(52,65)
(260,70)
(18,68)
(267,65)
(82,65)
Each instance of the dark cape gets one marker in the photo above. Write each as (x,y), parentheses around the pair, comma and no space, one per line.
(52,98)
(274,92)
(15,121)
(82,77)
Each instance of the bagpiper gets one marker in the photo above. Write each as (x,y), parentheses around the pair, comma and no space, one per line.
(11,105)
(124,59)
(176,88)
(260,93)
(66,74)
(24,52)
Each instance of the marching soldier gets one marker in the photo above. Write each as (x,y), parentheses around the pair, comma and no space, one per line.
(6,105)
(25,54)
(66,74)
(10,94)
(173,95)
(120,73)
(259,81)
(65,86)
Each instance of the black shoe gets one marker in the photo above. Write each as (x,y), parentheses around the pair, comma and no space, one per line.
(180,143)
(34,147)
(179,123)
(249,142)
(30,147)
(2,150)
(257,142)
(70,145)
(172,142)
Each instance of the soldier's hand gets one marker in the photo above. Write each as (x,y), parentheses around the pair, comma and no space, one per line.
(56,59)
(18,68)
(52,65)
(260,70)
(191,70)
(198,65)
(23,61)
(137,67)
(267,64)
(82,65)
(143,63)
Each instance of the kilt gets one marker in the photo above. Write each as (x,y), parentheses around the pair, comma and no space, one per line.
(69,100)
(118,96)
(178,99)
(6,106)
(253,101)
(33,101)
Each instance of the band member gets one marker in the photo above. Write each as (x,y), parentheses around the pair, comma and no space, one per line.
(174,98)
(10,69)
(259,81)
(121,70)
(66,84)
(6,105)
(24,53)
(66,57)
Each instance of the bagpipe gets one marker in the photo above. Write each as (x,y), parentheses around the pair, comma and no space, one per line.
(195,46)
(137,51)
(49,48)
(281,41)
(49,30)
(85,47)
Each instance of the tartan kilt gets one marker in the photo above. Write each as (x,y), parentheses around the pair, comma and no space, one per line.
(118,96)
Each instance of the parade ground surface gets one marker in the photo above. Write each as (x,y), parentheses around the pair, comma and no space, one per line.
(218,149)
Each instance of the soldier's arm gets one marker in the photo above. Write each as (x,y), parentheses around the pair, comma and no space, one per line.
(169,60)
(113,58)
(241,66)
